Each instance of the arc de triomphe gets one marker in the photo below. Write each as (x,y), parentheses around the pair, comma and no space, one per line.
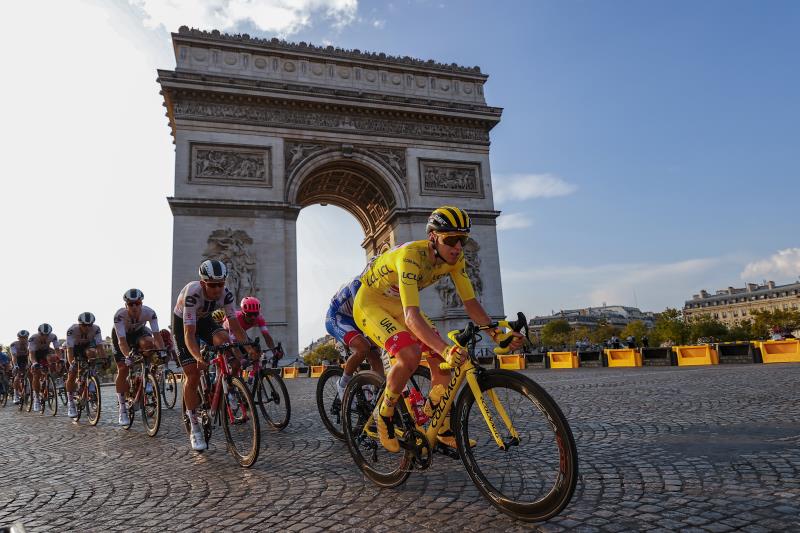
(263,128)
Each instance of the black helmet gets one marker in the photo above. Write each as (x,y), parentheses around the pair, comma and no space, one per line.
(448,219)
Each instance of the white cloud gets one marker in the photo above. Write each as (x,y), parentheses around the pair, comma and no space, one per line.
(784,263)
(379,24)
(509,187)
(284,17)
(513,221)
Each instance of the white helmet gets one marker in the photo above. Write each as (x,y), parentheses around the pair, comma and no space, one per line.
(23,334)
(213,270)
(133,295)
(86,318)
(45,329)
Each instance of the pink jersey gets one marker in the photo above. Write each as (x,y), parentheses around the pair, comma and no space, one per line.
(258,322)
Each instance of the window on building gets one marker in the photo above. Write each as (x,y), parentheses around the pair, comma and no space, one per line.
(716,315)
(736,313)
(724,315)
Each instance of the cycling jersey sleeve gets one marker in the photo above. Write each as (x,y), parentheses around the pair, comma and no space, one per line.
(98,337)
(56,343)
(119,325)
(190,310)
(262,325)
(13,349)
(408,269)
(71,337)
(228,304)
(154,323)
(461,280)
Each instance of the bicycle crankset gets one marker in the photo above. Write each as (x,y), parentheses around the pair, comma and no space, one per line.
(416,442)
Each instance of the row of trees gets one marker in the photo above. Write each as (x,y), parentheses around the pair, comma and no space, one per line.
(671,326)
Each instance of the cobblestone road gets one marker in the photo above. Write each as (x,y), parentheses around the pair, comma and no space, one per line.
(698,449)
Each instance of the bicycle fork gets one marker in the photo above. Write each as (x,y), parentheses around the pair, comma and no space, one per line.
(472,381)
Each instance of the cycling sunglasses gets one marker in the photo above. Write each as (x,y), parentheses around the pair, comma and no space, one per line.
(215,284)
(135,303)
(451,240)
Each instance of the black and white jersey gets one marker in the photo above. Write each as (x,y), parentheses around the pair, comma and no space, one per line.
(77,337)
(125,323)
(17,349)
(38,342)
(192,304)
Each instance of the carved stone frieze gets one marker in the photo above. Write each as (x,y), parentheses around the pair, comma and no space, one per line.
(451,177)
(393,158)
(230,165)
(297,152)
(445,288)
(234,248)
(328,120)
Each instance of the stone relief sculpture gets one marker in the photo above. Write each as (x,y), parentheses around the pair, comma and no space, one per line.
(229,164)
(445,288)
(232,247)
(297,152)
(262,115)
(443,177)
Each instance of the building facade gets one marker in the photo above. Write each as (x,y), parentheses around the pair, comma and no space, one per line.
(593,317)
(733,305)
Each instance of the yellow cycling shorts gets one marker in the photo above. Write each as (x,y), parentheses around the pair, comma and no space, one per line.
(381,319)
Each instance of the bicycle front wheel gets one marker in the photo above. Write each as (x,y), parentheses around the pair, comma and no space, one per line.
(384,468)
(49,396)
(273,400)
(534,477)
(93,400)
(151,405)
(240,423)
(170,388)
(329,404)
(28,394)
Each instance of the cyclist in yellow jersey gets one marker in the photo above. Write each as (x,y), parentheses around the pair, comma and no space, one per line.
(387,309)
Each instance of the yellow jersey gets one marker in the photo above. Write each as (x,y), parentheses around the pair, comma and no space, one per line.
(406,269)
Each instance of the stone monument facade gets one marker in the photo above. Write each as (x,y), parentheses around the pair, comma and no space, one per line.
(263,128)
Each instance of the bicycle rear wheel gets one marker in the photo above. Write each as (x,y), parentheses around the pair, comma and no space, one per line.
(151,405)
(93,402)
(329,404)
(273,400)
(384,468)
(28,394)
(240,423)
(62,390)
(534,478)
(170,388)
(6,390)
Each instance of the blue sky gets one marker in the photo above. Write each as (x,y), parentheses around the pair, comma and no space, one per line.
(667,132)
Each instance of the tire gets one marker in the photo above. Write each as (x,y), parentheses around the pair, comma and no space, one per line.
(545,460)
(170,388)
(385,469)
(130,394)
(329,404)
(93,402)
(151,405)
(240,423)
(205,417)
(6,389)
(273,400)
(50,397)
(62,391)
(28,394)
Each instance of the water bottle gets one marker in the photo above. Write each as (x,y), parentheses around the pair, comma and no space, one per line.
(417,402)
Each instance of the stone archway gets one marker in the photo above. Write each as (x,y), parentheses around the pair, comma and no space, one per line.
(263,128)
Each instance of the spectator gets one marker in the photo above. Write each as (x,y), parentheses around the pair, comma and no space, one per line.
(630,341)
(776,334)
(645,341)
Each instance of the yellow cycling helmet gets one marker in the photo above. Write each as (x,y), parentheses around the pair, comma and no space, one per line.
(218,316)
(447,219)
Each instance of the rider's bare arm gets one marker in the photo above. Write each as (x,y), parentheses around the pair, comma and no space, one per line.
(189,332)
(421,330)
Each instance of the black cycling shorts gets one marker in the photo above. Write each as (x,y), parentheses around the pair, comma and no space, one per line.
(40,356)
(206,328)
(131,337)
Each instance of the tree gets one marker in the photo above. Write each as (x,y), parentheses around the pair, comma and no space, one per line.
(742,331)
(669,327)
(556,332)
(326,352)
(637,329)
(705,326)
(603,333)
(579,334)
(764,321)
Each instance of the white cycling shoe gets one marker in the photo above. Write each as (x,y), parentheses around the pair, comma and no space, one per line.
(72,411)
(198,440)
(37,406)
(124,419)
(340,388)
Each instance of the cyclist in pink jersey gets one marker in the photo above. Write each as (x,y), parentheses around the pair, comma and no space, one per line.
(249,317)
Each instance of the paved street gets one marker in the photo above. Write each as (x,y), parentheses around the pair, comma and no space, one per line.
(713,449)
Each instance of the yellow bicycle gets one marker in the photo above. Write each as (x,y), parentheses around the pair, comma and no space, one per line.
(511,435)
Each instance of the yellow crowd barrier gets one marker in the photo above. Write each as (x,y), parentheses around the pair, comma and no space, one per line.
(696,355)
(317,370)
(563,359)
(512,362)
(625,357)
(785,351)
(290,372)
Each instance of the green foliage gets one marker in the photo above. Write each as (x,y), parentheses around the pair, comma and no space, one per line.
(556,332)
(579,334)
(603,333)
(637,328)
(326,352)
(764,321)
(669,327)
(707,327)
(743,331)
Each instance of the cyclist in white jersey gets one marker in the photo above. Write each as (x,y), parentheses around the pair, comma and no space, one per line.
(192,322)
(20,350)
(83,340)
(39,346)
(131,331)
